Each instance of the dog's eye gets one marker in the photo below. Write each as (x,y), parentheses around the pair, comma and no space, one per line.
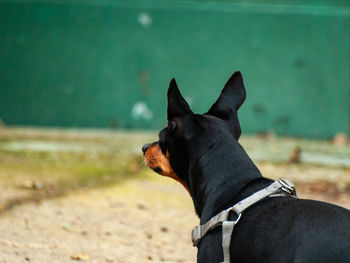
(171,126)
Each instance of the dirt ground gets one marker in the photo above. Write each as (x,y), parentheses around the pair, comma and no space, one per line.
(136,221)
(140,217)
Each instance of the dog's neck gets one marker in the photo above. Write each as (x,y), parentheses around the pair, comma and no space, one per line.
(220,176)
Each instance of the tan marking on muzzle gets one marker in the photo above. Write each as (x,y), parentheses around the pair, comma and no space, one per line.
(156,160)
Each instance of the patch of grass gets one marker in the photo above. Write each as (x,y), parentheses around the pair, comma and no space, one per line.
(98,160)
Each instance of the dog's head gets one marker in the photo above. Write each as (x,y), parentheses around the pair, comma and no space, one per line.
(188,136)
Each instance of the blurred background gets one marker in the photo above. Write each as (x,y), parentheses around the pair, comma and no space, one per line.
(83,86)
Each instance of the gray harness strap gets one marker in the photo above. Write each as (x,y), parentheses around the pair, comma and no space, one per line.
(227,229)
(277,188)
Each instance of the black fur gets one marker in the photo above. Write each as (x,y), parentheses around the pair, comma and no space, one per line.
(205,153)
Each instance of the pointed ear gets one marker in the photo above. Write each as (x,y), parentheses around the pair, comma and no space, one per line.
(231,98)
(177,105)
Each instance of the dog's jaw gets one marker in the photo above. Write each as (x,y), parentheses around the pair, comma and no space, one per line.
(160,163)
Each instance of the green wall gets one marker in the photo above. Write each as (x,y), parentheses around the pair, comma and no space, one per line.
(108,63)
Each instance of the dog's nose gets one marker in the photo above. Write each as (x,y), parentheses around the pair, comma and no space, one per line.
(145,147)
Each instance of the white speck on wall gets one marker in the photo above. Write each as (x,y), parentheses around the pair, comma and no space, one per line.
(144,20)
(140,110)
(69,89)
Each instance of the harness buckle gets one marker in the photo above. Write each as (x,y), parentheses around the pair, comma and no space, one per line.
(238,215)
(287,186)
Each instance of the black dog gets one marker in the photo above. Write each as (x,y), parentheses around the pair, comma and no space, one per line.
(202,152)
